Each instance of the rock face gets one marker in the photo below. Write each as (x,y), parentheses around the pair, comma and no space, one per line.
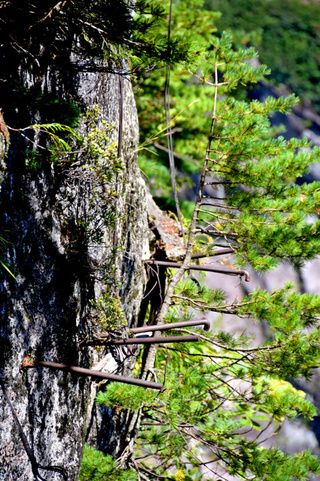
(50,217)
(4,142)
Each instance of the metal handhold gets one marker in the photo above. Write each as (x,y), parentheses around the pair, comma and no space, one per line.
(140,340)
(204,267)
(174,325)
(28,362)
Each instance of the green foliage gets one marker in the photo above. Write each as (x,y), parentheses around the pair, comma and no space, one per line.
(286,35)
(278,466)
(93,159)
(50,43)
(190,111)
(265,215)
(98,467)
(56,110)
(107,30)
(190,293)
(55,132)
(58,139)
(213,396)
(124,396)
(100,153)
(108,313)
(220,390)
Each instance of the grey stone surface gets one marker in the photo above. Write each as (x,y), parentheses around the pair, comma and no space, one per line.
(58,269)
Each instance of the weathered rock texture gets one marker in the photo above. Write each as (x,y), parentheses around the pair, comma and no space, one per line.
(59,269)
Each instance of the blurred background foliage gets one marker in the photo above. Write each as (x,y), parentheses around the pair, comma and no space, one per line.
(286,35)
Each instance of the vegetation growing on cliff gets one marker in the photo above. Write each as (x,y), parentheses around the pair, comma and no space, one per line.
(224,397)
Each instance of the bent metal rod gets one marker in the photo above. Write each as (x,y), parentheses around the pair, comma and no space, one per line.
(203,267)
(106,341)
(173,325)
(29,363)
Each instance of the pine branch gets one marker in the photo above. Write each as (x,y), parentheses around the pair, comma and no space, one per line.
(151,354)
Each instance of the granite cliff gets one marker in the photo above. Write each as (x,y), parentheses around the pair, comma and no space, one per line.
(61,247)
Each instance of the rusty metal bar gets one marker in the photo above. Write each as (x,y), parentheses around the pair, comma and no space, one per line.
(220,270)
(139,340)
(156,340)
(216,253)
(27,362)
(107,341)
(174,325)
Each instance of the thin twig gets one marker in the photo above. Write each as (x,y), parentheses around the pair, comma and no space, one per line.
(169,136)
(57,7)
(228,348)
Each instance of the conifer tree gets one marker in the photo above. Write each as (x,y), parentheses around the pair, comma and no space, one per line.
(223,396)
